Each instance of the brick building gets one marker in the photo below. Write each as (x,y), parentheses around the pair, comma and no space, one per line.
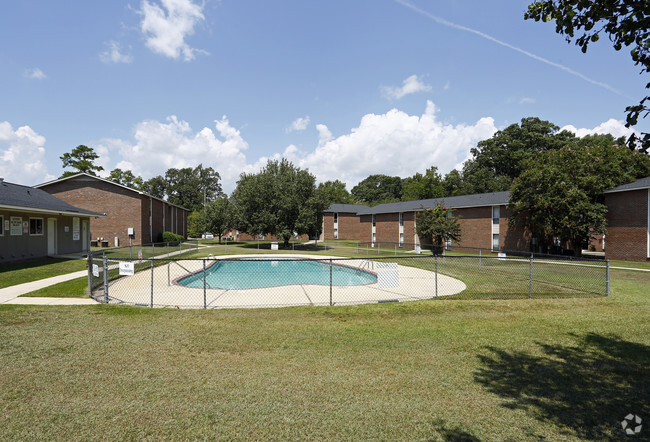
(125,209)
(628,221)
(483,217)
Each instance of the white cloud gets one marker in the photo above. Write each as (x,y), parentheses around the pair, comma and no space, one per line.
(298,124)
(35,74)
(324,134)
(114,54)
(167,27)
(393,143)
(411,85)
(526,100)
(159,146)
(615,127)
(22,155)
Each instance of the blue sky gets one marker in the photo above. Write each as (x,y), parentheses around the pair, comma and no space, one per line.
(343,88)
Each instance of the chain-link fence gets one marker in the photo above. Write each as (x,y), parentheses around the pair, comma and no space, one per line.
(289,281)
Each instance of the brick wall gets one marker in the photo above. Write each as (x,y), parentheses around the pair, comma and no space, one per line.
(627,225)
(476,224)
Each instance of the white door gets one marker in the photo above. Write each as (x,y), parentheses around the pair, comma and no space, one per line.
(84,235)
(51,236)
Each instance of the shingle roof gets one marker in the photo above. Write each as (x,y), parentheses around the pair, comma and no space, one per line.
(15,196)
(348,208)
(454,202)
(642,183)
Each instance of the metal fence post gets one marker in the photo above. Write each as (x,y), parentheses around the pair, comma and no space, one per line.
(152,282)
(105,264)
(205,297)
(153,250)
(530,286)
(480,257)
(607,278)
(331,303)
(435,260)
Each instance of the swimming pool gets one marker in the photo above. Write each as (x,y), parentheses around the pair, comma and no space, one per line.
(261,273)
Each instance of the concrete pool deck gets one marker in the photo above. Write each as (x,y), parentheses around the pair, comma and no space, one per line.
(396,283)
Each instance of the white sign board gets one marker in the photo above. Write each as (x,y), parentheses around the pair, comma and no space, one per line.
(502,256)
(16,226)
(274,246)
(127,268)
(418,250)
(75,229)
(95,270)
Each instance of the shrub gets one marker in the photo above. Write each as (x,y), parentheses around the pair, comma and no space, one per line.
(170,237)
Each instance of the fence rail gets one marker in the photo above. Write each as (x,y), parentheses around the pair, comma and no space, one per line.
(271,281)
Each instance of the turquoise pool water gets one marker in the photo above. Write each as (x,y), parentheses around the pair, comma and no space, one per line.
(259,273)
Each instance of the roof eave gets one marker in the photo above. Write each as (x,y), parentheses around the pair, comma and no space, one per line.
(51,211)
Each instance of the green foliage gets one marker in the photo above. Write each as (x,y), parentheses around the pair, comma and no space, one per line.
(334,192)
(155,187)
(279,200)
(170,237)
(126,178)
(195,225)
(82,160)
(218,216)
(420,187)
(625,22)
(560,194)
(377,189)
(437,225)
(192,188)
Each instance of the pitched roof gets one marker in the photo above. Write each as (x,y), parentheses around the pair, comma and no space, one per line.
(348,208)
(86,175)
(25,198)
(640,184)
(454,202)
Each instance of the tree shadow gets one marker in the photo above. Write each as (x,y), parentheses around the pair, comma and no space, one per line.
(585,389)
(456,434)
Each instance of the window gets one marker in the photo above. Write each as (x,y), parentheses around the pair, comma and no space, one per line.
(336,233)
(374,222)
(36,226)
(401,219)
(495,242)
(336,218)
(496,214)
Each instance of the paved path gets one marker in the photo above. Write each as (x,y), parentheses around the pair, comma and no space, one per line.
(10,295)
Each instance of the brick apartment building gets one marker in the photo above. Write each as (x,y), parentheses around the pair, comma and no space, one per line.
(628,221)
(483,217)
(127,210)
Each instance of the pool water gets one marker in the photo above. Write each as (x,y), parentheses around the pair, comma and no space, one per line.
(260,273)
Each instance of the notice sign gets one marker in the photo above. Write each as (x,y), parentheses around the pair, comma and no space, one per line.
(16,226)
(127,268)
(95,270)
(75,229)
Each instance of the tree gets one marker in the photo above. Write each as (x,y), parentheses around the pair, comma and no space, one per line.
(334,192)
(452,184)
(155,187)
(377,189)
(560,194)
(625,22)
(126,178)
(191,188)
(420,187)
(279,200)
(218,216)
(195,225)
(82,160)
(438,225)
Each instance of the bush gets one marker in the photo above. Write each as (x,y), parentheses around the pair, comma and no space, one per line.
(170,237)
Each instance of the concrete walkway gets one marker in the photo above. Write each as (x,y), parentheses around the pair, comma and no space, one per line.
(10,295)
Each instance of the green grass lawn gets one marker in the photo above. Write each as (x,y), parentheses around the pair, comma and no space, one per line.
(33,270)
(553,369)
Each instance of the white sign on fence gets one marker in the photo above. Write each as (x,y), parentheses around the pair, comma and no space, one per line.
(95,270)
(127,268)
(274,246)
(502,256)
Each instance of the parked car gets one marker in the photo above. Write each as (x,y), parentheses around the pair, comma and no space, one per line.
(208,235)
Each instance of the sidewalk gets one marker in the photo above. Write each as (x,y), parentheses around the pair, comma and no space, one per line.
(10,295)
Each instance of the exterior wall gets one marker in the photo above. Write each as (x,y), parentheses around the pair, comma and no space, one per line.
(627,225)
(28,246)
(476,224)
(409,230)
(124,208)
(365,228)
(387,228)
(348,224)
(517,238)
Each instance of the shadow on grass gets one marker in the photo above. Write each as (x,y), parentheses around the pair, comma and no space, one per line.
(456,434)
(586,390)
